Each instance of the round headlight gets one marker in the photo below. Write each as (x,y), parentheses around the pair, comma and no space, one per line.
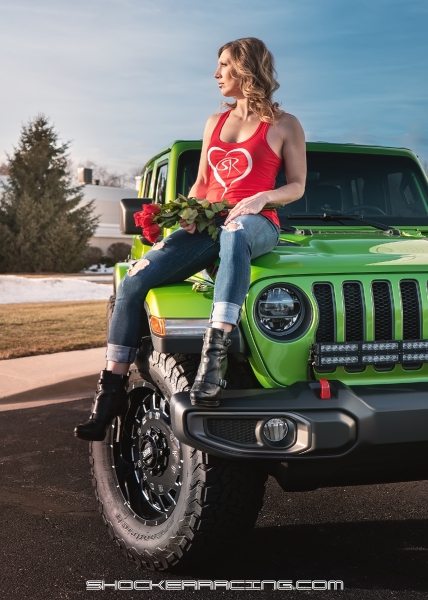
(279,309)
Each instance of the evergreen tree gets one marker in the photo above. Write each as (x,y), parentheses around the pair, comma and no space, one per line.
(43,227)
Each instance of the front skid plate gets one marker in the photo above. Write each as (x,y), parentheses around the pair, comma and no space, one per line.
(348,424)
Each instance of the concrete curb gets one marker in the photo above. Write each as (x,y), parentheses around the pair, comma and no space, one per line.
(49,379)
(65,391)
(36,404)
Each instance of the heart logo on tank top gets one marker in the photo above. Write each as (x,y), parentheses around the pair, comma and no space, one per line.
(235,163)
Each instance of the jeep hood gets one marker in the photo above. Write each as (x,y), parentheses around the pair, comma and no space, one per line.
(323,254)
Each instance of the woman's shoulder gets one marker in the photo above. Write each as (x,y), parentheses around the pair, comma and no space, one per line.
(215,118)
(286,122)
(211,123)
(284,118)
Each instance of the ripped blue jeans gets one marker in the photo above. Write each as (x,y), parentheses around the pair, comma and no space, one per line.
(181,255)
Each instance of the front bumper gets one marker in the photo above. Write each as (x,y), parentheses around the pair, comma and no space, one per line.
(353,422)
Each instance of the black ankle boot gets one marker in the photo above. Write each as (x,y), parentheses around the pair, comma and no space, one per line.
(209,378)
(110,400)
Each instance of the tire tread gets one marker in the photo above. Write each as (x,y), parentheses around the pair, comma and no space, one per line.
(225,496)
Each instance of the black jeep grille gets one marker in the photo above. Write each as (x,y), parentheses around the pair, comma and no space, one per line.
(241,431)
(355,298)
(383,315)
(323,293)
(411,310)
(354,312)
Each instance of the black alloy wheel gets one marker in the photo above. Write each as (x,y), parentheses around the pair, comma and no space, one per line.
(148,458)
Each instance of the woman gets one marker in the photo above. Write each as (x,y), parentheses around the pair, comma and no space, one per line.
(242,152)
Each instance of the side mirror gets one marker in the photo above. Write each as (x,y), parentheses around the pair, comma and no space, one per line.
(128,208)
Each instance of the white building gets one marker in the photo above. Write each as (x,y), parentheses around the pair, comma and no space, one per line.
(106,206)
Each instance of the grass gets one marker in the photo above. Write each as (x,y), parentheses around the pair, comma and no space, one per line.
(47,327)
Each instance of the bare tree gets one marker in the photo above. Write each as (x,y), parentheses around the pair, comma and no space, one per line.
(111,178)
(131,175)
(4,169)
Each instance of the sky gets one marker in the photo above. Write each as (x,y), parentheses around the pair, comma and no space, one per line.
(120,79)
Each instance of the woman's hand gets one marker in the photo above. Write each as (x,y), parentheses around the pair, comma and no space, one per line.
(248,206)
(189,227)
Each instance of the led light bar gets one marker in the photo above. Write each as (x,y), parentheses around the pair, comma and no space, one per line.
(417,357)
(380,358)
(423,345)
(339,347)
(338,360)
(379,346)
(369,353)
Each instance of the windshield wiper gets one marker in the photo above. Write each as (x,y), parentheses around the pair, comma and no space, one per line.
(338,217)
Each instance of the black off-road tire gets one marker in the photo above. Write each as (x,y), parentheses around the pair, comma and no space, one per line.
(216,501)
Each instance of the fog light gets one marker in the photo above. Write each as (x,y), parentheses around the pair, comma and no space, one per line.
(275,430)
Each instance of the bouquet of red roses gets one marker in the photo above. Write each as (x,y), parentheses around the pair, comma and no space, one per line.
(146,220)
(193,210)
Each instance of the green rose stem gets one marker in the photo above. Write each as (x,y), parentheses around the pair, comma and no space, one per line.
(194,210)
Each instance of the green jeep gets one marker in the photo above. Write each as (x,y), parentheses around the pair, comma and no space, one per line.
(328,369)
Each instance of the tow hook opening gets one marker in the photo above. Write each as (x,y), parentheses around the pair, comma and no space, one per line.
(323,389)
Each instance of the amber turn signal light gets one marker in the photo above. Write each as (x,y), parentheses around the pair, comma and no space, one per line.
(157,325)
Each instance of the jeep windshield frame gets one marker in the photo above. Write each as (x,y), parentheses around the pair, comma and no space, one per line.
(382,185)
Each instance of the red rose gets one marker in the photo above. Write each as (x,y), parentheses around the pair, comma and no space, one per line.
(147,220)
(138,217)
(151,233)
(151,209)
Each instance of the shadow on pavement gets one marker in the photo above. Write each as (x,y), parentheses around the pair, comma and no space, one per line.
(374,538)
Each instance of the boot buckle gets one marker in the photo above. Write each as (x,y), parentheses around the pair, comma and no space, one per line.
(222,383)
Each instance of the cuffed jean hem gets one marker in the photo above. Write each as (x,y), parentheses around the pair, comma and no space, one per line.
(225,312)
(122,354)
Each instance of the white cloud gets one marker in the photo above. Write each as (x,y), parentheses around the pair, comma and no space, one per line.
(121,78)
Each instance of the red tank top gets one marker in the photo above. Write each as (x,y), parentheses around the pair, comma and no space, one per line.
(240,170)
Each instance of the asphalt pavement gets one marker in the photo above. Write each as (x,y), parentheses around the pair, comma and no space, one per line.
(373,538)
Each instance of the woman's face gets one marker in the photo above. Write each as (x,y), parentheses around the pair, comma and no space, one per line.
(228,84)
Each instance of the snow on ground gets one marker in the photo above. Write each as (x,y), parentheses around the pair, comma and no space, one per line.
(14,289)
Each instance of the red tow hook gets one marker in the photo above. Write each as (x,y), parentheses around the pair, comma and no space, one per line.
(325,391)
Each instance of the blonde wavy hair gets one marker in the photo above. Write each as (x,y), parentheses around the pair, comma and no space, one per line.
(253,65)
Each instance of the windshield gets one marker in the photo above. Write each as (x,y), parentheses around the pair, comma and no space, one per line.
(187,170)
(388,189)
